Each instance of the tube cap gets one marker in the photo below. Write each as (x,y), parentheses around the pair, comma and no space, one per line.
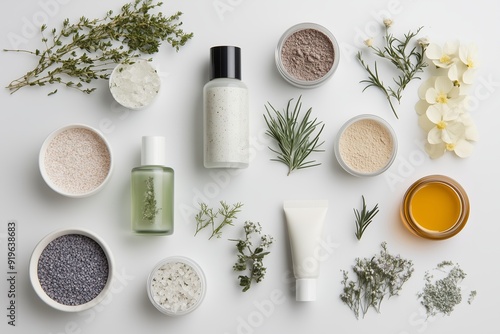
(305,289)
(153,151)
(225,62)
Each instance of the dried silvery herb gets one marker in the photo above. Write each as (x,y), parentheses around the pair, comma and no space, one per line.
(377,277)
(441,295)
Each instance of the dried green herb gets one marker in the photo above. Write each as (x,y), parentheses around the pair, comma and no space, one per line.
(87,50)
(150,209)
(407,60)
(364,218)
(377,277)
(251,259)
(295,137)
(441,295)
(208,217)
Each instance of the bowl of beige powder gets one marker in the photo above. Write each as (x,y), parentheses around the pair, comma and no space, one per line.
(75,160)
(366,145)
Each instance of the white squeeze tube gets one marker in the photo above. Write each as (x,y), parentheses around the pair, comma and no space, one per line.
(305,221)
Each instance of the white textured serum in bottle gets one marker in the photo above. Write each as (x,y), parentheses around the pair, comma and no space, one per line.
(225,111)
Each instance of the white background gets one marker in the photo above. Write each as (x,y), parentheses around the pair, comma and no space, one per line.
(29,115)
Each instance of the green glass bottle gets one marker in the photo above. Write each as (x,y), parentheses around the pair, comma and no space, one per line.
(152,190)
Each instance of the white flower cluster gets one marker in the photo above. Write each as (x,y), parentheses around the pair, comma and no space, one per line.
(442,105)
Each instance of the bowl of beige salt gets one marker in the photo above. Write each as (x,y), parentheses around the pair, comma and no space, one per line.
(76,160)
(366,145)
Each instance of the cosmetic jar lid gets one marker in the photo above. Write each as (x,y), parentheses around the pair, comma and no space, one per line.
(450,200)
(305,289)
(76,160)
(153,151)
(301,55)
(225,62)
(76,268)
(366,145)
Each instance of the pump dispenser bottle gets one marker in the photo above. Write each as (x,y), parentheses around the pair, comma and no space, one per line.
(225,111)
(152,188)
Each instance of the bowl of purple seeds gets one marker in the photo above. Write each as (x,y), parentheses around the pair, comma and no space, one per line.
(76,160)
(71,269)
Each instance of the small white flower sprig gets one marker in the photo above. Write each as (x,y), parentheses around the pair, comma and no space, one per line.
(442,105)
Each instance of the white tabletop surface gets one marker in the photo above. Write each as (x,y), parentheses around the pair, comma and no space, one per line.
(29,115)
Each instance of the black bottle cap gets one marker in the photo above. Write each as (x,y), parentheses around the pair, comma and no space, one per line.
(225,62)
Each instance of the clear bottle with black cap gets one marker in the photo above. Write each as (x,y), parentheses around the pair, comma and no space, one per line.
(225,111)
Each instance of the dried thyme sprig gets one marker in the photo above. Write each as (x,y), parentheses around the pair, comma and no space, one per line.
(88,49)
(207,217)
(408,60)
(376,277)
(150,209)
(295,137)
(364,218)
(252,259)
(441,295)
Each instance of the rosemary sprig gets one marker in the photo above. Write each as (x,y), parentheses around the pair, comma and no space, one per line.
(364,218)
(252,259)
(88,49)
(295,137)
(207,217)
(406,59)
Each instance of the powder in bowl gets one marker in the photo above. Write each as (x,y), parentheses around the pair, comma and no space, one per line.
(176,286)
(71,270)
(134,85)
(75,161)
(366,145)
(307,55)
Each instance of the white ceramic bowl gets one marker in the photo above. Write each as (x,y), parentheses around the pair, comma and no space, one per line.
(196,270)
(134,85)
(34,278)
(381,125)
(55,172)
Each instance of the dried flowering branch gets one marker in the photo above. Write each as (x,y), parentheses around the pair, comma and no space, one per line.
(85,50)
(407,60)
(252,259)
(376,277)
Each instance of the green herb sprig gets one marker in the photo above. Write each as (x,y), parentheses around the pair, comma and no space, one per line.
(208,217)
(295,137)
(364,218)
(87,50)
(408,60)
(150,209)
(377,277)
(251,258)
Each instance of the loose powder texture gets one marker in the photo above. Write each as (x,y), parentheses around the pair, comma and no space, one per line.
(366,146)
(307,54)
(77,160)
(176,286)
(73,269)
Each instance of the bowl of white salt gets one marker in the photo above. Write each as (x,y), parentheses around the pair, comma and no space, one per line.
(75,160)
(176,286)
(134,84)
(366,145)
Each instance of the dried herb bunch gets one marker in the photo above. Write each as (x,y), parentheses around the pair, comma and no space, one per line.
(441,295)
(150,209)
(380,276)
(295,137)
(81,52)
(250,257)
(407,60)
(208,217)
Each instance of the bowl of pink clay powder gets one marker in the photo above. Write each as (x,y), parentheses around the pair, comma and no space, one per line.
(307,55)
(75,161)
(366,145)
